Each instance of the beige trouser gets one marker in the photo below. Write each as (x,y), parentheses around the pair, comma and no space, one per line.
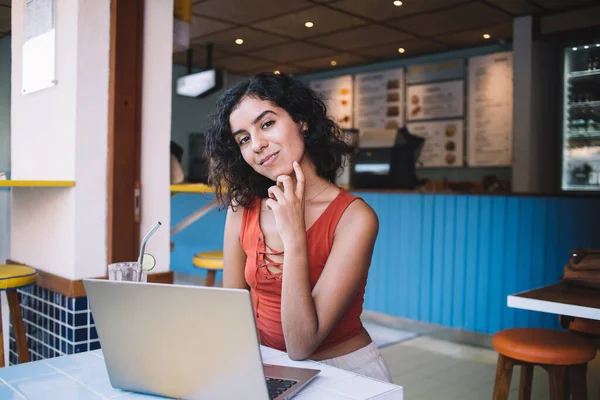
(366,361)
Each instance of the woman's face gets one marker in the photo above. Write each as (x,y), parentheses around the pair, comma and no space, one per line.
(269,139)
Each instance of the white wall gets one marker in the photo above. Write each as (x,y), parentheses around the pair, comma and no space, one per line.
(4,145)
(91,142)
(60,133)
(156,128)
(43,123)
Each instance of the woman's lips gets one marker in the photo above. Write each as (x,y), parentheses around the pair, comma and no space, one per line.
(269,160)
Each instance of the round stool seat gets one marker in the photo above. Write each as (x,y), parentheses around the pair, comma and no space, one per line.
(544,346)
(209,260)
(14,276)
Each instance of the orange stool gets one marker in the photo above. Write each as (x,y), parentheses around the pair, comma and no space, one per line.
(211,261)
(559,353)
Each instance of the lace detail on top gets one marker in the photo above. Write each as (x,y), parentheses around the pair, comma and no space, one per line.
(267,262)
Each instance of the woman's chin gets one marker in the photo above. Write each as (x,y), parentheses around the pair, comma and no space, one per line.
(273,173)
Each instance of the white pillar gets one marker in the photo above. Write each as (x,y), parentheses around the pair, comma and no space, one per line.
(61,133)
(156,128)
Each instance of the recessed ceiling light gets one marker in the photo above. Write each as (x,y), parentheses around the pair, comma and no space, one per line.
(574,48)
(397,3)
(239,41)
(586,47)
(486,36)
(276,72)
(333,62)
(309,24)
(598,45)
(401,50)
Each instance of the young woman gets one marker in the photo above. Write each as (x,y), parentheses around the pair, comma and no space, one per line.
(298,242)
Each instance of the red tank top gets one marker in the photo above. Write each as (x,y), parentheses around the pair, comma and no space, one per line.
(265,287)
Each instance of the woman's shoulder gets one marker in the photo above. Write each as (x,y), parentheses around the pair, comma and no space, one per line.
(240,214)
(358,215)
(235,208)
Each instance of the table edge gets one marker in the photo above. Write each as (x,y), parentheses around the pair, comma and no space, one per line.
(551,307)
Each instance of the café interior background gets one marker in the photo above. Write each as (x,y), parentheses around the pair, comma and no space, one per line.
(358,37)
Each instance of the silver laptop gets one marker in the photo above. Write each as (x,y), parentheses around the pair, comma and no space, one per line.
(185,342)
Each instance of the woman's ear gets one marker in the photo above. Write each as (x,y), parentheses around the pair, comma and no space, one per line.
(303,128)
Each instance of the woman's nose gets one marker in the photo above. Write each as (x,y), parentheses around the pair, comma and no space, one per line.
(258,143)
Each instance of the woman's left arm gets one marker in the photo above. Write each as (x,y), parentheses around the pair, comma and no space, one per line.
(308,317)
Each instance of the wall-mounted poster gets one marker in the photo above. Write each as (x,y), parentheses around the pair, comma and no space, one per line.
(378,100)
(435,100)
(490,110)
(443,142)
(337,95)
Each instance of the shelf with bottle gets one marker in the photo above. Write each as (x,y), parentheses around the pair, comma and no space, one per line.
(590,187)
(583,74)
(592,104)
(589,134)
(587,66)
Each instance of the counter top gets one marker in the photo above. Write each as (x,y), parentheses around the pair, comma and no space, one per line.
(191,188)
(32,183)
(83,376)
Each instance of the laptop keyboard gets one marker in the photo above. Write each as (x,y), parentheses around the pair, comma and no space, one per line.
(278,386)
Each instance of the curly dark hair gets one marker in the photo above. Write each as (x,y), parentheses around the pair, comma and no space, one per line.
(234,181)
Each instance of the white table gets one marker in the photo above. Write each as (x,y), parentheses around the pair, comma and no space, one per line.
(83,376)
(559,298)
(334,383)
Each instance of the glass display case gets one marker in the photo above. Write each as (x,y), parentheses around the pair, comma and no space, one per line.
(581,118)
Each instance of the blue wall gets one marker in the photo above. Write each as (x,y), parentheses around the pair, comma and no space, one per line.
(448,259)
(452,260)
(205,234)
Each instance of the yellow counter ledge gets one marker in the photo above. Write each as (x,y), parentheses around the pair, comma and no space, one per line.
(192,188)
(27,183)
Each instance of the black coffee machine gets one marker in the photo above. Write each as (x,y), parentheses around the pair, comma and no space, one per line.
(386,160)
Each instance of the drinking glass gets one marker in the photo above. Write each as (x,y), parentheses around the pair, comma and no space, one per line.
(126,271)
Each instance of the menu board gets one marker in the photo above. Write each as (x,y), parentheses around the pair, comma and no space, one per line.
(378,102)
(435,100)
(443,142)
(490,110)
(337,95)
(443,71)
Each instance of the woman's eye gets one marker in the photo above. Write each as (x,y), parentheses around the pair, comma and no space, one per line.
(243,140)
(267,124)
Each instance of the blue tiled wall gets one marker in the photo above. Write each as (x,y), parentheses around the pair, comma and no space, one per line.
(55,325)
(447,259)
